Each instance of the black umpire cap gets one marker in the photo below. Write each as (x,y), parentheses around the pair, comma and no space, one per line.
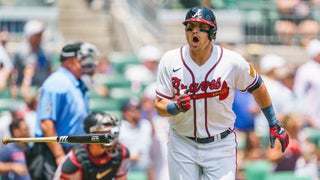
(70,50)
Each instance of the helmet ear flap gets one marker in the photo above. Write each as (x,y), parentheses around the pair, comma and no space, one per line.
(212,33)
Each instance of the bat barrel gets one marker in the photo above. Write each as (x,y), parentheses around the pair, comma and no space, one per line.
(85,139)
(7,140)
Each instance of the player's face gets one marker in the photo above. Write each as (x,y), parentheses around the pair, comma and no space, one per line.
(99,149)
(197,34)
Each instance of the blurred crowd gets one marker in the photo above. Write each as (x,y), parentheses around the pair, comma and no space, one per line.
(294,90)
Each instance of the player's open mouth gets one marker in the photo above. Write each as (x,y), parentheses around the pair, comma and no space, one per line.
(195,39)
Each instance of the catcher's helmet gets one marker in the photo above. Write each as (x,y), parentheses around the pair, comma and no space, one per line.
(103,123)
(85,53)
(204,15)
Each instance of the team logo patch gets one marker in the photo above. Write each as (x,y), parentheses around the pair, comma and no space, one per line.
(48,107)
(252,71)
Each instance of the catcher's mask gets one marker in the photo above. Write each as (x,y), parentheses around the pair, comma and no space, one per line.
(101,122)
(204,15)
(86,54)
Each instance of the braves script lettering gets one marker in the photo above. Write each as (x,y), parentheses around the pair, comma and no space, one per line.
(210,88)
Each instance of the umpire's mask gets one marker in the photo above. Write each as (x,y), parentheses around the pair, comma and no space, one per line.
(87,57)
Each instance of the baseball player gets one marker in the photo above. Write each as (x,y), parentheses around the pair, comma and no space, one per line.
(195,86)
(97,161)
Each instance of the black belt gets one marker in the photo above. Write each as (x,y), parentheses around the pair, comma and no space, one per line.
(212,138)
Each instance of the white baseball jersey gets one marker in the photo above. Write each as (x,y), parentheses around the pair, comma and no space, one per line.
(211,88)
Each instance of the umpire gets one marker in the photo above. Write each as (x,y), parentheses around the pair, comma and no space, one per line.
(63,104)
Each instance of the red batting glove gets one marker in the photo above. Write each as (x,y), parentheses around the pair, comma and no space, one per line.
(277,132)
(183,102)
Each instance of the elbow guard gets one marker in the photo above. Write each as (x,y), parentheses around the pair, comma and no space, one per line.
(256,85)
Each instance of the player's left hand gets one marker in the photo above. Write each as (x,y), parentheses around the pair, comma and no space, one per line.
(278,132)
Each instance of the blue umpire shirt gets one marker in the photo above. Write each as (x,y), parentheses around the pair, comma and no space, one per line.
(64,100)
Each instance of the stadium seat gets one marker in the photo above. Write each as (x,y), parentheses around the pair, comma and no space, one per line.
(6,104)
(313,135)
(123,94)
(119,60)
(257,170)
(92,93)
(104,104)
(285,175)
(258,17)
(5,93)
(100,78)
(117,113)
(116,81)
(137,175)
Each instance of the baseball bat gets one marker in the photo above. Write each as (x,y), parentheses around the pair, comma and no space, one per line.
(76,139)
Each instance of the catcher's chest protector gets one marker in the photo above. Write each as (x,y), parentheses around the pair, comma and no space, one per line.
(91,170)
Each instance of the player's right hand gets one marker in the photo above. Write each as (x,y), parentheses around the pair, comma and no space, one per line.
(183,102)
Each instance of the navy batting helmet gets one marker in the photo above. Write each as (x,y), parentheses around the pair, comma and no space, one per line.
(204,15)
(101,122)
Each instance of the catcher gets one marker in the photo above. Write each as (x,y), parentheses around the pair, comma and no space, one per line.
(97,161)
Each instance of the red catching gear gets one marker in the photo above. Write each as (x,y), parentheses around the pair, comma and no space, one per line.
(277,132)
(183,102)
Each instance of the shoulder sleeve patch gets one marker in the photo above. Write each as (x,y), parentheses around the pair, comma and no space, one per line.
(252,71)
